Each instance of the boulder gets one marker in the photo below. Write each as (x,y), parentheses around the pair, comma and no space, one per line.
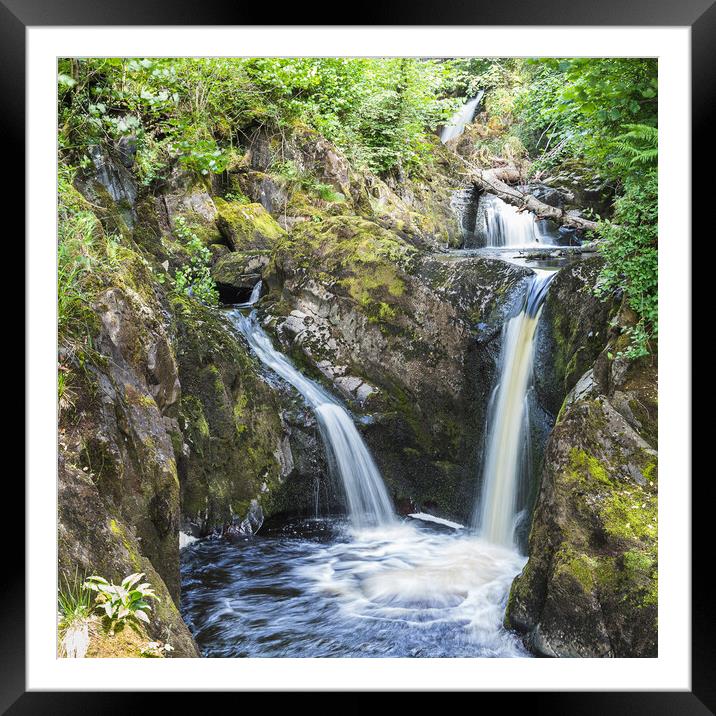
(397,333)
(247,226)
(589,588)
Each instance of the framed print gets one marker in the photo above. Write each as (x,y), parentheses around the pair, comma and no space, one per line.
(343,355)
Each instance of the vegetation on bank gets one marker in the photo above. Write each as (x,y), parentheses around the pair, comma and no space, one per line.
(99,619)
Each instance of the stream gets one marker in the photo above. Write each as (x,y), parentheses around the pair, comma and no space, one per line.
(371,584)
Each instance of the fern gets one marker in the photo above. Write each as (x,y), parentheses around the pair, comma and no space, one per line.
(637,149)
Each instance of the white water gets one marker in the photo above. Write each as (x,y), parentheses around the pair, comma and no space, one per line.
(460,119)
(348,455)
(404,576)
(507,227)
(254,297)
(320,590)
(507,429)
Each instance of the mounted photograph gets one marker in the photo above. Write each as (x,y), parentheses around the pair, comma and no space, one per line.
(357,357)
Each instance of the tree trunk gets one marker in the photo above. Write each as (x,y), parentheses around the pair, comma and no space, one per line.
(492,181)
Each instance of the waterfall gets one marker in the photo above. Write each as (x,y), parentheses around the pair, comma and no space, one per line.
(507,427)
(505,226)
(254,297)
(460,119)
(348,455)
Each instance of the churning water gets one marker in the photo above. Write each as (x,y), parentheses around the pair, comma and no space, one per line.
(321,589)
(506,467)
(373,586)
(348,456)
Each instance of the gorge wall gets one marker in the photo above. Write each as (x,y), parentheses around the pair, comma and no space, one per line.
(177,428)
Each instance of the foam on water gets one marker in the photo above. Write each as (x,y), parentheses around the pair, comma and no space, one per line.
(399,590)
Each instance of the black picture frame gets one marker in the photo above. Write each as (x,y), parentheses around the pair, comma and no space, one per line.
(699,15)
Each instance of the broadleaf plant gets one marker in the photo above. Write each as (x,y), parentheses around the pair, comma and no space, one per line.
(122,603)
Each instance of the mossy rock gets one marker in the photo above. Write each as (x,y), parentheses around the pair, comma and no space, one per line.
(233,423)
(590,585)
(346,291)
(247,226)
(127,641)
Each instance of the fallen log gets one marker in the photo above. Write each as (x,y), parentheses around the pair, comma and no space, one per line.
(491,180)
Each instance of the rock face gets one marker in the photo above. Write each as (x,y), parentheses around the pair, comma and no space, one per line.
(119,507)
(172,425)
(244,444)
(236,274)
(411,341)
(572,331)
(590,585)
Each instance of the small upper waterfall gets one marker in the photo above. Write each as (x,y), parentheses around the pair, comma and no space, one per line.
(254,297)
(348,455)
(460,119)
(508,421)
(255,293)
(505,226)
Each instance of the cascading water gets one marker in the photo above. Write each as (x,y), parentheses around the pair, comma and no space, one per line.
(381,588)
(348,455)
(460,119)
(507,431)
(505,226)
(255,295)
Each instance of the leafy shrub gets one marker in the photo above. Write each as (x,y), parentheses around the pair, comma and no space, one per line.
(120,603)
(295,177)
(194,278)
(630,246)
(202,156)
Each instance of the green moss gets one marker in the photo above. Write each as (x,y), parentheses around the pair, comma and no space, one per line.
(583,465)
(580,567)
(247,226)
(192,410)
(630,515)
(649,471)
(134,557)
(240,406)
(134,397)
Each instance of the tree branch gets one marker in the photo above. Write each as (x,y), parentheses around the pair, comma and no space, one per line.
(493,181)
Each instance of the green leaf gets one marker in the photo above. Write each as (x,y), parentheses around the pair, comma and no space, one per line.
(66,80)
(132,579)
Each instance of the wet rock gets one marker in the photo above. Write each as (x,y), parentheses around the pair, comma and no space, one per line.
(366,310)
(589,588)
(111,186)
(127,150)
(241,446)
(572,332)
(590,585)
